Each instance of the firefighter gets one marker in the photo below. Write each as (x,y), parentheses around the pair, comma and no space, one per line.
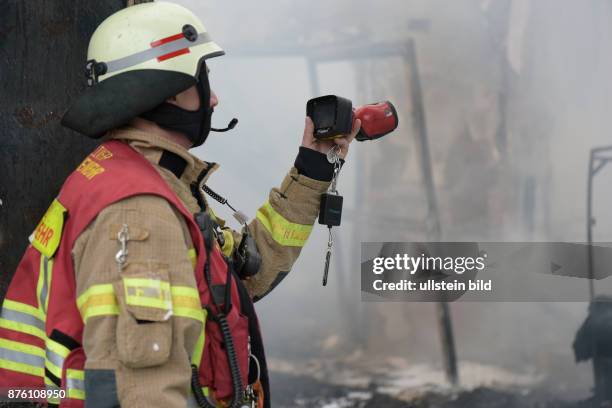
(132,292)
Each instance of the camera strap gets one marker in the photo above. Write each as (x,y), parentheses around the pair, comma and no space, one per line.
(330,211)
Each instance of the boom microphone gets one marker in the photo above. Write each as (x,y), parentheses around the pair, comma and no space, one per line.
(232,124)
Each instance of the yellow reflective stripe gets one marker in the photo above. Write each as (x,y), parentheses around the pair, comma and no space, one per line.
(228,244)
(189,313)
(75,384)
(48,233)
(22,328)
(186,303)
(109,310)
(199,347)
(282,231)
(55,370)
(52,399)
(149,302)
(50,383)
(193,257)
(187,292)
(55,355)
(57,348)
(22,358)
(22,347)
(76,374)
(44,283)
(22,318)
(24,308)
(103,289)
(22,368)
(98,300)
(147,293)
(212,214)
(75,393)
(50,386)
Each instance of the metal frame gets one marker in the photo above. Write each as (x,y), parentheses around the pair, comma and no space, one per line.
(598,158)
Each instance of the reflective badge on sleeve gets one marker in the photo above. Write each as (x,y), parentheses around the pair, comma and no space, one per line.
(283,231)
(47,235)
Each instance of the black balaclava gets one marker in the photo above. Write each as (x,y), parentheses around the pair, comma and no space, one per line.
(193,124)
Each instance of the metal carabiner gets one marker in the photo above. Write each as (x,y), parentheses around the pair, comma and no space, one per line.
(123,237)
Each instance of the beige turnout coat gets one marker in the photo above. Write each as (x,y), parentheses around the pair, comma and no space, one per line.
(159,239)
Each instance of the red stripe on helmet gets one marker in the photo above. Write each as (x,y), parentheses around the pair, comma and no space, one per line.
(167,40)
(173,54)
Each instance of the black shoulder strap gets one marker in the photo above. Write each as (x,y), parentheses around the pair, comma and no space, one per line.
(257,348)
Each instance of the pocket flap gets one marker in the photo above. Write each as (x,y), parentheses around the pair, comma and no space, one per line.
(136,232)
(145,292)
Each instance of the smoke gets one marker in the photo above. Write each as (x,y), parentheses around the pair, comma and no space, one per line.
(515,93)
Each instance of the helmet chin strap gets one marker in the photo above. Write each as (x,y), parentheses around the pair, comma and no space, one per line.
(232,124)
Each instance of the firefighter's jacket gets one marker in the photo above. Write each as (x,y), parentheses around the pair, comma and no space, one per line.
(122,327)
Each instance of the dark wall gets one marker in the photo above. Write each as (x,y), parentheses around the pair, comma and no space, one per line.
(43,49)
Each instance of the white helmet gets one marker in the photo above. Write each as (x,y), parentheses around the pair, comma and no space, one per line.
(137,58)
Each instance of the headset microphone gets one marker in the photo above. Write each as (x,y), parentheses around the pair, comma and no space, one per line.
(232,124)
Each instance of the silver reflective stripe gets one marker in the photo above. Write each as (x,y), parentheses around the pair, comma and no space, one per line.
(146,55)
(154,293)
(19,357)
(21,317)
(75,384)
(43,292)
(55,358)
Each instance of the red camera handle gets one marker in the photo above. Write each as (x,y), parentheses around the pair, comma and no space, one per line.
(377,120)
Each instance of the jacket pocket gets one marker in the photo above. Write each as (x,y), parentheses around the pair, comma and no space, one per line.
(144,328)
